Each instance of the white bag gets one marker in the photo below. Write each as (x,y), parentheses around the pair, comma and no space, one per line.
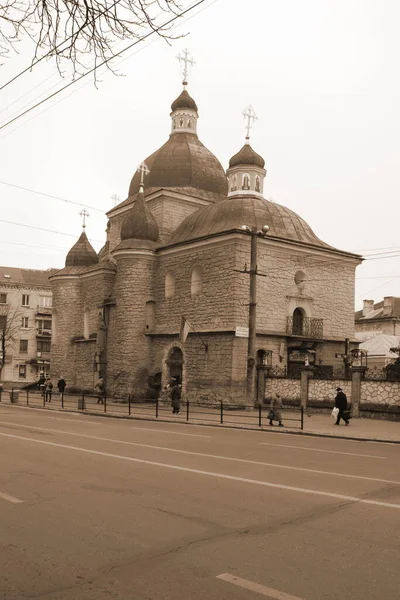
(335,413)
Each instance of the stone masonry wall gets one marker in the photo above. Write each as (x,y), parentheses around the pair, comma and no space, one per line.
(383,393)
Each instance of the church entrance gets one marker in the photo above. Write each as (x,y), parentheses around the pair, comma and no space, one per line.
(298,322)
(175,364)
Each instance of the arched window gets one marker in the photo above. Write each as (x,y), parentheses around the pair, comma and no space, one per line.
(197,281)
(150,315)
(189,124)
(258,185)
(86,318)
(180,122)
(298,321)
(169,285)
(246,182)
(175,365)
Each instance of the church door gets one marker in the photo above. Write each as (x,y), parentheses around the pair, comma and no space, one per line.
(298,322)
(175,364)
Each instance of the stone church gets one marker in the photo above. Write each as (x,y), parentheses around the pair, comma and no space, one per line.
(179,247)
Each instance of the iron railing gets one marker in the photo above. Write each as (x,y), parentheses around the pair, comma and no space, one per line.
(305,327)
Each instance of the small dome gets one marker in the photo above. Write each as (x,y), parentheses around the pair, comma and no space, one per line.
(82,254)
(184,101)
(139,223)
(231,214)
(247,156)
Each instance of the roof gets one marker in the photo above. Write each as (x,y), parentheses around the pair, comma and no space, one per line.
(232,213)
(82,254)
(379,345)
(247,156)
(13,275)
(184,101)
(139,223)
(377,312)
(183,161)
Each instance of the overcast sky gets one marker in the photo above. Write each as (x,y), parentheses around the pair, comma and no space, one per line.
(322,76)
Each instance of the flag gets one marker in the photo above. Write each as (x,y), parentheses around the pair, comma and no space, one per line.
(185,328)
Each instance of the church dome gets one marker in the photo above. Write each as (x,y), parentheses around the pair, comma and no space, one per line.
(231,214)
(247,156)
(82,254)
(183,162)
(184,101)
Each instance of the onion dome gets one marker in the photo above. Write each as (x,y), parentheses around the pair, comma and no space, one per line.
(184,101)
(82,254)
(139,223)
(231,214)
(247,156)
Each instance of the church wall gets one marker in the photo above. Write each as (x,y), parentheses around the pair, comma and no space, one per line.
(169,213)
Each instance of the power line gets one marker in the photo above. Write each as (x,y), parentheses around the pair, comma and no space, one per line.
(20,187)
(47,230)
(103,63)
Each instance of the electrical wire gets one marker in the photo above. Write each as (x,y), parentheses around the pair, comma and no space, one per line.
(46,230)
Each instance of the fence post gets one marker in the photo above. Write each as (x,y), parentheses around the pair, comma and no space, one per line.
(302,418)
(156,408)
(222,412)
(129,404)
(44,398)
(62,399)
(187,410)
(105,403)
(259,414)
(27,397)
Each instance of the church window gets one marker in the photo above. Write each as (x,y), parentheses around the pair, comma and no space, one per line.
(173,124)
(246,182)
(150,315)
(197,281)
(189,124)
(86,317)
(169,285)
(180,122)
(233,183)
(258,185)
(298,322)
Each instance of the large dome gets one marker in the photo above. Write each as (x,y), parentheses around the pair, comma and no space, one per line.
(231,214)
(183,162)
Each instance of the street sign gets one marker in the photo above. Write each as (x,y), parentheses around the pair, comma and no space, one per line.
(242,332)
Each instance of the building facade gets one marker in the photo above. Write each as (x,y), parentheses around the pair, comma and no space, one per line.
(25,324)
(178,247)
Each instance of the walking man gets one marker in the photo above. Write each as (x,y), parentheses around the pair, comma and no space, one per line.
(100,388)
(48,390)
(61,384)
(341,404)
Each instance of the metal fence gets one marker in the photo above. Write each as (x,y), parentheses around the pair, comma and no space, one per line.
(225,414)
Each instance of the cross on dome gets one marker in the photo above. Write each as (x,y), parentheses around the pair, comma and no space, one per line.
(84,213)
(187,59)
(250,115)
(143,170)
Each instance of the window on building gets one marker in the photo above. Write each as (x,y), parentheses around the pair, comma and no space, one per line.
(197,281)
(45,301)
(298,321)
(3,298)
(43,324)
(150,315)
(23,346)
(25,300)
(43,346)
(169,285)
(22,372)
(86,324)
(25,321)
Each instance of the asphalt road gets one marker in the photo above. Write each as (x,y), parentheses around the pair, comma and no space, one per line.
(96,508)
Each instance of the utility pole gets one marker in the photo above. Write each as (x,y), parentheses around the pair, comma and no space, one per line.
(253,273)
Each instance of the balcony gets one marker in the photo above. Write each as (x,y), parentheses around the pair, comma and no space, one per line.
(44,310)
(305,327)
(45,333)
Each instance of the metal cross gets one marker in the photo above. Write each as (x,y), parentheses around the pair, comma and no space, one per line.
(251,116)
(116,199)
(84,213)
(143,170)
(187,59)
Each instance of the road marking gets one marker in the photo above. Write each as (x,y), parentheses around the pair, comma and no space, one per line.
(207,473)
(202,454)
(256,587)
(84,420)
(320,450)
(171,432)
(10,498)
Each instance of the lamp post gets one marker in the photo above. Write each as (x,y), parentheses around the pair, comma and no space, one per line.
(251,346)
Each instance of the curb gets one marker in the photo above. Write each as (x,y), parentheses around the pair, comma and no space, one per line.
(214,425)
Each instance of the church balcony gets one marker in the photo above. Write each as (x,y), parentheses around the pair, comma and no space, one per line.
(305,327)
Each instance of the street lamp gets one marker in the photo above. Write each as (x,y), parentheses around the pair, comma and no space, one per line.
(251,347)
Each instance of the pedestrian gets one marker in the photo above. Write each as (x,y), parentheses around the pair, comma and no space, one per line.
(341,404)
(48,390)
(176,396)
(61,384)
(101,390)
(41,382)
(275,413)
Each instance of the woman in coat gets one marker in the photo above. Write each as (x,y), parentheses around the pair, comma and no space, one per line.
(276,409)
(176,396)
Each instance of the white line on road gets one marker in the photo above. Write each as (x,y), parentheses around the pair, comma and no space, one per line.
(10,498)
(256,587)
(207,473)
(203,454)
(320,450)
(171,432)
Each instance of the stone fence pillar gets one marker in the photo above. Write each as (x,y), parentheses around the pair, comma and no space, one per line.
(263,372)
(306,375)
(356,374)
